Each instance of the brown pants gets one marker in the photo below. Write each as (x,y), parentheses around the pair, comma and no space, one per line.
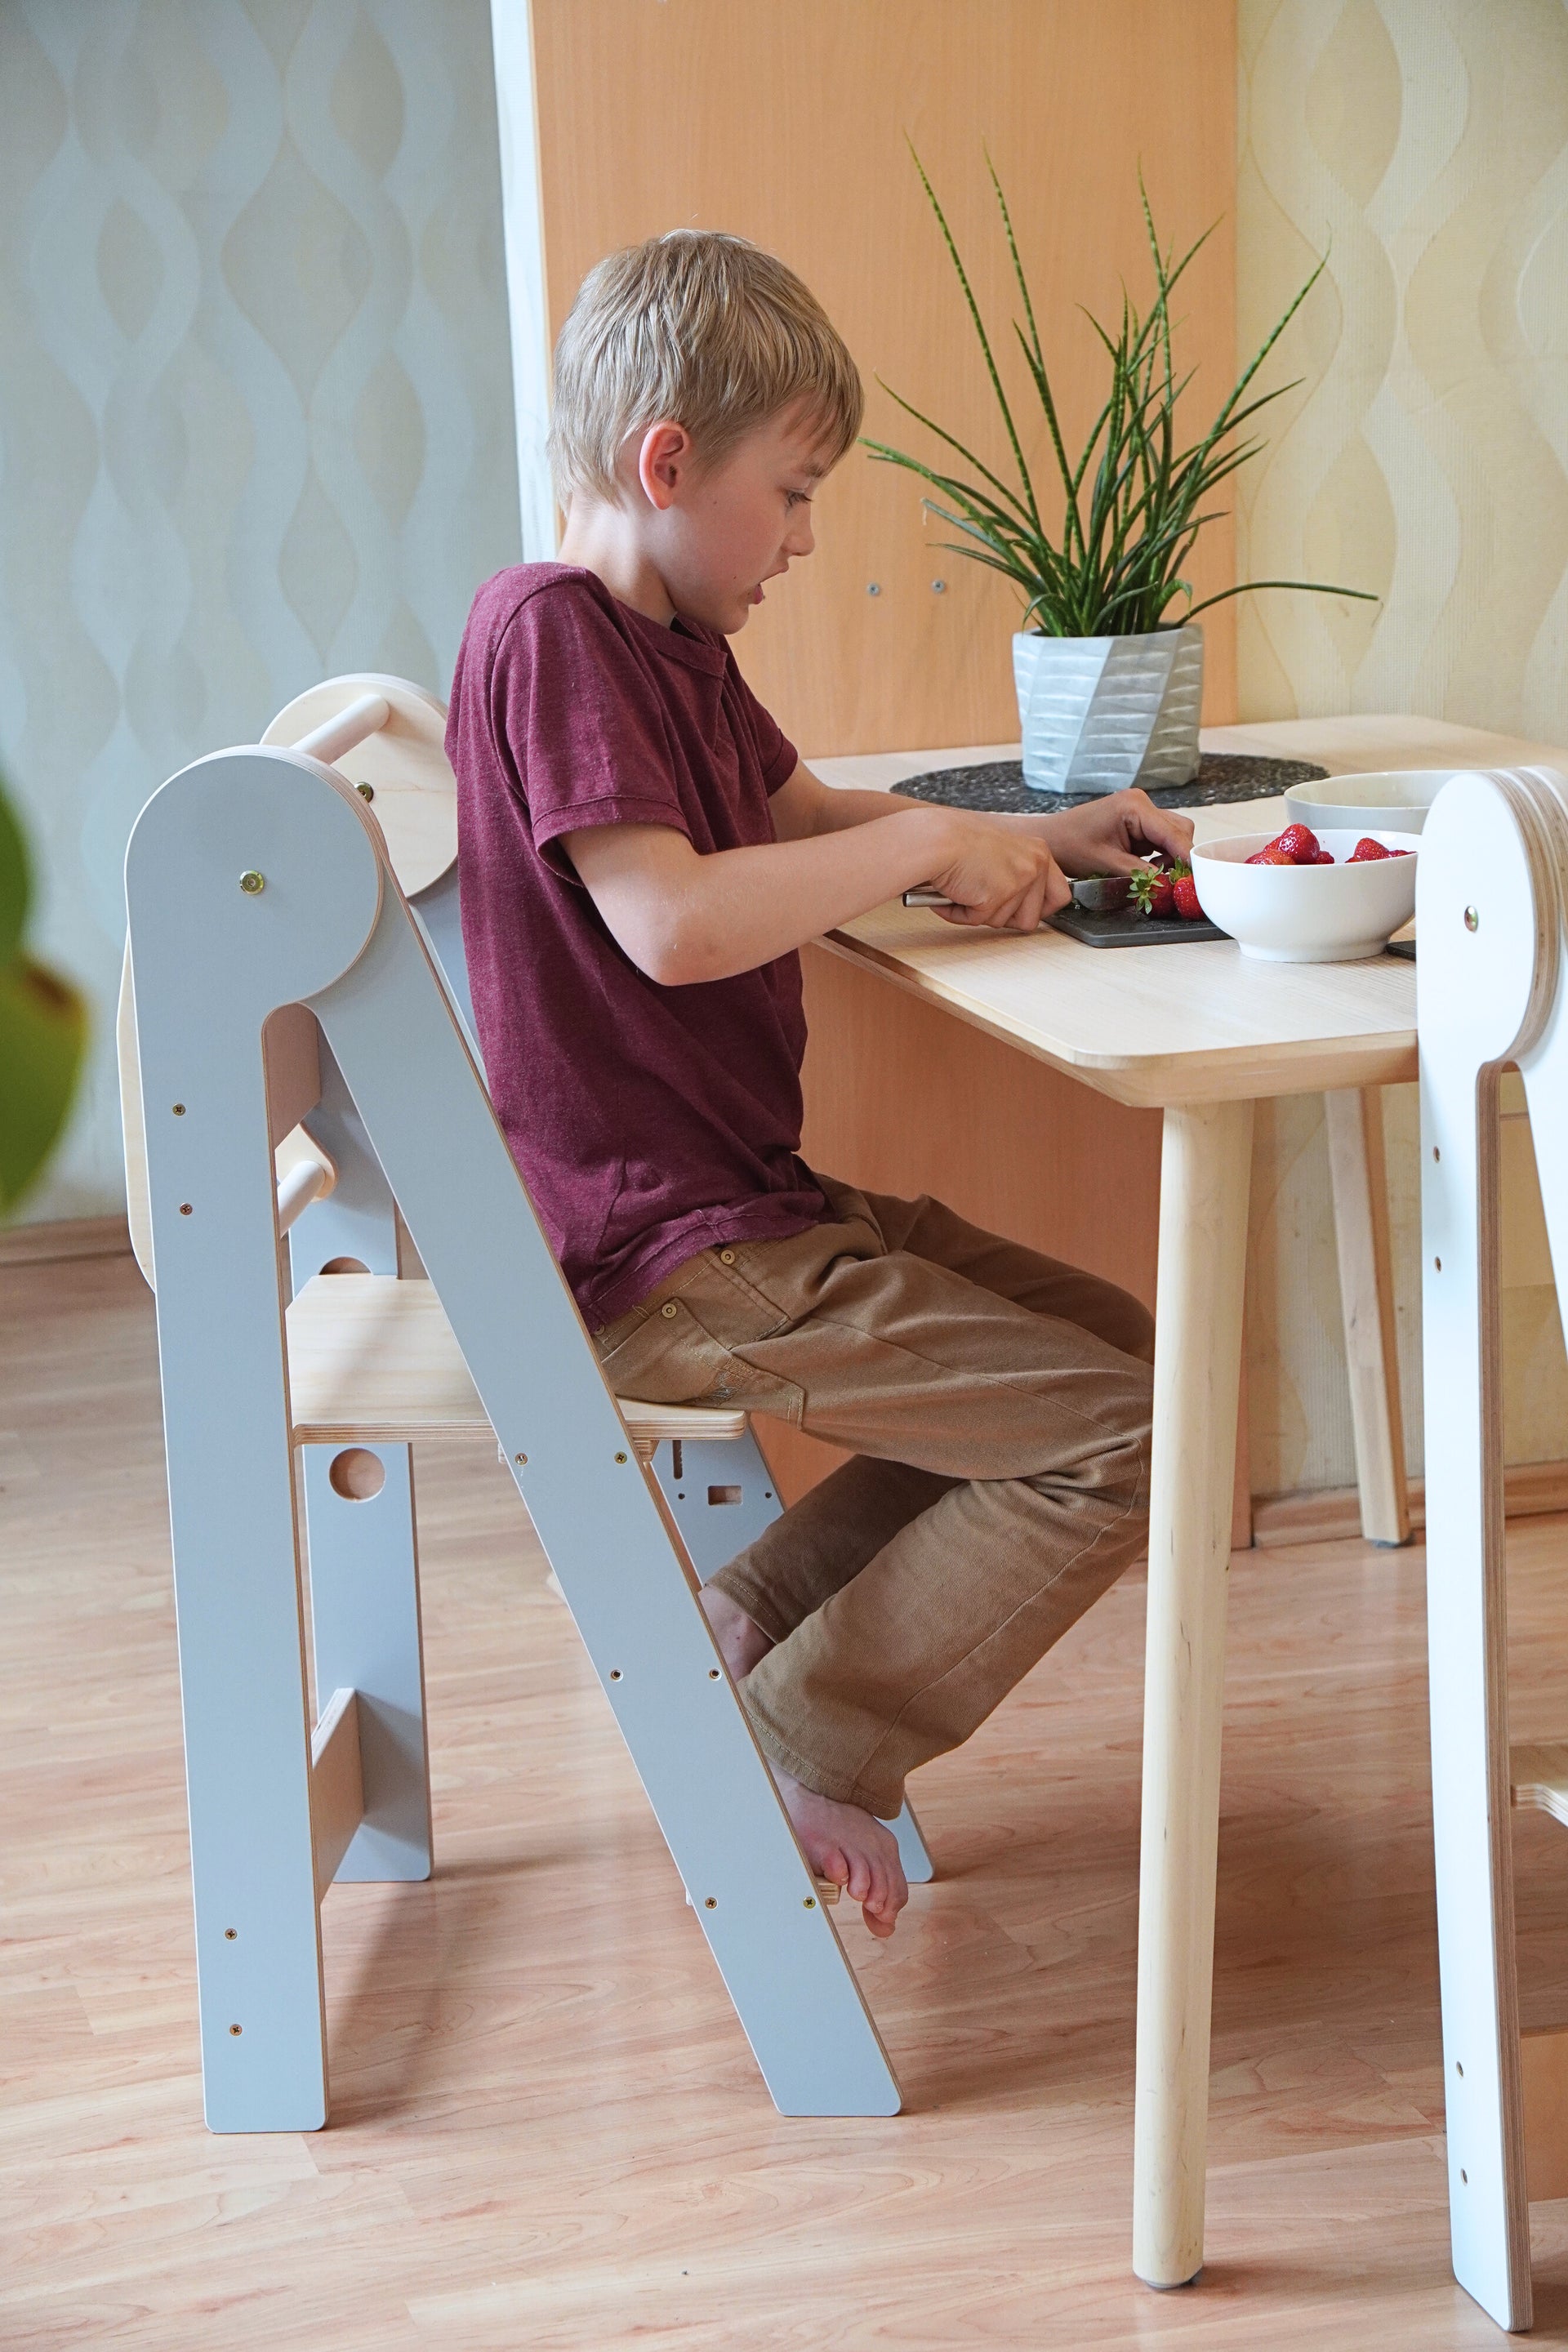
(998,1407)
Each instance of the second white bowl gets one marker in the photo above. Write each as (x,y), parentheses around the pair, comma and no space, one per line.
(1308,914)
(1397,797)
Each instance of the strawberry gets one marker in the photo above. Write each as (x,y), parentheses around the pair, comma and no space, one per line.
(1153,890)
(1367,850)
(1186,897)
(1300,844)
(1326,857)
(1272,855)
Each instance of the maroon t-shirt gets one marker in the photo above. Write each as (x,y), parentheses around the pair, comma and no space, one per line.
(647,1122)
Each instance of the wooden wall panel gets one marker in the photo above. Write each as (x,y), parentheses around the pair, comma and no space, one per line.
(784,121)
(901,1098)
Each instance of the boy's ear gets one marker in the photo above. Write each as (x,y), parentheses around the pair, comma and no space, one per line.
(664,461)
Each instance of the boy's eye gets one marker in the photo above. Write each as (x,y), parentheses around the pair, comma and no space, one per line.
(798,498)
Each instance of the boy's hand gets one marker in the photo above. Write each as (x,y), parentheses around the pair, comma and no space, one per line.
(1113,834)
(1001,876)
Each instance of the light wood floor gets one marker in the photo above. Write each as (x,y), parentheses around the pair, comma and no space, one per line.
(548,2131)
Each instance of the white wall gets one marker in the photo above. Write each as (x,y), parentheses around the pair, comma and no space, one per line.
(256,415)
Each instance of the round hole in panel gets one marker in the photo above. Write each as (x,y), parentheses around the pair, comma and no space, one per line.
(345,1266)
(357,1474)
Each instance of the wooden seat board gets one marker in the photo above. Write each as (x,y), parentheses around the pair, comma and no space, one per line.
(373,1360)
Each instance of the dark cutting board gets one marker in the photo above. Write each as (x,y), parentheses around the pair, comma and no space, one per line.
(1128,928)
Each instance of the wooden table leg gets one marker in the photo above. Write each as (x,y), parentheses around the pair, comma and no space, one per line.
(1356,1166)
(1205,1176)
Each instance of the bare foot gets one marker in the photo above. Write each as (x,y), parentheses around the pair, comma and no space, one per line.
(851,1847)
(741,1642)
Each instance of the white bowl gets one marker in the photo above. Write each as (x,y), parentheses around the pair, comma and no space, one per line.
(1396,799)
(1308,914)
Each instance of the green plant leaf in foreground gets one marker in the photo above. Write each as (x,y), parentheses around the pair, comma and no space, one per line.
(43,1033)
(1115,569)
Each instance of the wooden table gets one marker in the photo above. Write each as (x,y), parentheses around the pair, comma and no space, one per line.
(1203,1034)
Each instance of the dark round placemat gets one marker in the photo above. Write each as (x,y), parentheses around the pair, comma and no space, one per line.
(999,784)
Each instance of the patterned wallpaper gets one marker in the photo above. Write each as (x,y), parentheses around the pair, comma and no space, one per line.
(1424,144)
(256,417)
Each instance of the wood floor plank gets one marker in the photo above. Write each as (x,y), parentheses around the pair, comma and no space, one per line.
(547,2128)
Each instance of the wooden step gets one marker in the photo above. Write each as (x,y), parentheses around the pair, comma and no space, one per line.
(373,1360)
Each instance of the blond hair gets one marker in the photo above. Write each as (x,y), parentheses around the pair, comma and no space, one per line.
(701,330)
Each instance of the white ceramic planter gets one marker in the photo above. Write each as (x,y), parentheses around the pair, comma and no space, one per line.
(1102,713)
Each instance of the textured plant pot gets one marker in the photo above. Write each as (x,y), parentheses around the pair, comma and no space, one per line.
(1102,713)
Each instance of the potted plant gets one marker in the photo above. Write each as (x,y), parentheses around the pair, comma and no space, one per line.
(1109,681)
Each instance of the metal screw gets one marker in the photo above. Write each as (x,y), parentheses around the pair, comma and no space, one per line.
(669,1310)
(1472,923)
(711,1903)
(1458,2068)
(185,1208)
(1436,1153)
(237,2031)
(251,882)
(939,587)
(873,588)
(620,1457)
(1438,1263)
(1465,2177)
(179,1110)
(230,1934)
(726,1257)
(808,1902)
(712,1674)
(365,791)
(614,1674)
(521,1460)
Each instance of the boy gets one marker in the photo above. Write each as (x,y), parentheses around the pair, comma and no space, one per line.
(641,854)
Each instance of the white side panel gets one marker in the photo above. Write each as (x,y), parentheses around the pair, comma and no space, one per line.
(211,961)
(1475,984)
(599,1518)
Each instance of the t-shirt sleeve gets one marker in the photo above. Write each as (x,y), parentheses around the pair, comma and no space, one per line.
(583,728)
(777,755)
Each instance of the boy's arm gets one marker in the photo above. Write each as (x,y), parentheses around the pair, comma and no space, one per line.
(683,918)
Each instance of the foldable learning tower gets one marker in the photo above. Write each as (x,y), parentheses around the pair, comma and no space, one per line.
(295,1058)
(1490,901)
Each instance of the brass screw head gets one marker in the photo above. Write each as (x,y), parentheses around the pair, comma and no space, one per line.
(231,1935)
(710,1903)
(521,1460)
(808,1902)
(186,1208)
(365,791)
(620,1457)
(179,1110)
(614,1674)
(1472,919)
(236,2030)
(251,882)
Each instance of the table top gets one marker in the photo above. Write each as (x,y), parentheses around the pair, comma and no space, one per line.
(1179,1024)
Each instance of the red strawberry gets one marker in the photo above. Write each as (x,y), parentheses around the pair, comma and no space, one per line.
(1300,844)
(1155,891)
(1367,850)
(1186,897)
(1272,855)
(1326,857)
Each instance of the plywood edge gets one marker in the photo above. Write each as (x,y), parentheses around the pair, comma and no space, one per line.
(337,1785)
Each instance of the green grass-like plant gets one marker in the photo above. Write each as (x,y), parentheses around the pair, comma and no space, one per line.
(1134,499)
